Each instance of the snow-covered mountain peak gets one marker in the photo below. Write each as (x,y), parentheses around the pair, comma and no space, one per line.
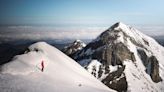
(79,42)
(118,30)
(123,52)
(119,25)
(121,33)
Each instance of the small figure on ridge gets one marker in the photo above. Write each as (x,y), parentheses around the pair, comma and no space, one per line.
(42,65)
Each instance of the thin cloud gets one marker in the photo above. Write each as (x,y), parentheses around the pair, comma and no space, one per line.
(37,33)
(41,33)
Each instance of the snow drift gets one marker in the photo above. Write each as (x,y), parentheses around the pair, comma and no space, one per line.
(61,74)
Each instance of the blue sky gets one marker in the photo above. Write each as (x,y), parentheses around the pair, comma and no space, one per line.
(81,12)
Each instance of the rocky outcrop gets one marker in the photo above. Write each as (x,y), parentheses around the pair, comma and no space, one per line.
(113,55)
(73,47)
(151,64)
(154,69)
(116,80)
(143,56)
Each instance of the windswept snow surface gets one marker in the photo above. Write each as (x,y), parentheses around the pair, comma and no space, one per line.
(61,73)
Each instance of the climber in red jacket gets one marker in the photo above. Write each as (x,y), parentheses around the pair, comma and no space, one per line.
(42,65)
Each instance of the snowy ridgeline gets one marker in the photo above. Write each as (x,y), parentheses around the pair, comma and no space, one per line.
(61,73)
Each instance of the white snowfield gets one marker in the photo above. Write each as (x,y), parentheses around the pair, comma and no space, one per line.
(61,73)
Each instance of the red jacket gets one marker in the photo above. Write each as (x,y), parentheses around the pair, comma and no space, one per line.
(42,64)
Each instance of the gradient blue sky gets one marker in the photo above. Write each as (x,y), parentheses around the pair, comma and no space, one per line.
(81,12)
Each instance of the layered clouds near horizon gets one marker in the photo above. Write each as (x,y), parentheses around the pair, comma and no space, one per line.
(41,32)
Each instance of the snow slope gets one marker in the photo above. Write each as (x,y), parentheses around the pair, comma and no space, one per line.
(61,74)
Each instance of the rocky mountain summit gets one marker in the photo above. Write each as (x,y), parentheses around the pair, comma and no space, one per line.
(73,47)
(124,59)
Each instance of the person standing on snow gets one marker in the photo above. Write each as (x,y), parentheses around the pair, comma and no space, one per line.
(42,65)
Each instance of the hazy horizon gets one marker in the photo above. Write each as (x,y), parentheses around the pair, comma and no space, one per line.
(77,19)
(8,33)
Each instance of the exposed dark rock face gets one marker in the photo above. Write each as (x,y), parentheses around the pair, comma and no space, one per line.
(143,57)
(113,54)
(94,45)
(154,69)
(100,72)
(116,80)
(151,64)
(146,42)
